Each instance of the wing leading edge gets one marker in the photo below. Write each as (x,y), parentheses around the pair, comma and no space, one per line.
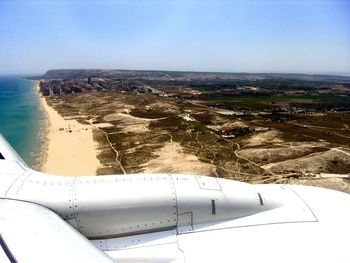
(8,153)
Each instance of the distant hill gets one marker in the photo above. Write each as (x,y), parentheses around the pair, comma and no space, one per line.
(166,75)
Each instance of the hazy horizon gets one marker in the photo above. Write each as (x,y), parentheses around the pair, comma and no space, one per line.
(35,74)
(302,37)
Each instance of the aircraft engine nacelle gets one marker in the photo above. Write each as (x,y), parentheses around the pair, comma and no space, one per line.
(111,206)
(135,204)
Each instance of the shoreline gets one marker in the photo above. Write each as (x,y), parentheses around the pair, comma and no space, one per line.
(67,147)
(44,131)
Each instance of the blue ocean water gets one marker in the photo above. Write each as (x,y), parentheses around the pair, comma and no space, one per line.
(21,117)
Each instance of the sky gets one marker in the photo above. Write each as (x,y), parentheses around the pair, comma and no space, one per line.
(194,35)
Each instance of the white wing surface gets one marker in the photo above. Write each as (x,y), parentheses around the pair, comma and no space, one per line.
(33,233)
(162,218)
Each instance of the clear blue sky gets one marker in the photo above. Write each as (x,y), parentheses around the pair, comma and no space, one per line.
(200,35)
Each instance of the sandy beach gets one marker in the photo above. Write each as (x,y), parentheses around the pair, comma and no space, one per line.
(69,149)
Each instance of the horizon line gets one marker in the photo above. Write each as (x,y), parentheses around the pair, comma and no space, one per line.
(341,74)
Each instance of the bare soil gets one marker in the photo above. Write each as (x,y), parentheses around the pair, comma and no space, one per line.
(148,133)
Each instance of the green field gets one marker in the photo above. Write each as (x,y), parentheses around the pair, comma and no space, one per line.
(257,99)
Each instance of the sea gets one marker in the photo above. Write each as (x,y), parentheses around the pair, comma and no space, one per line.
(21,117)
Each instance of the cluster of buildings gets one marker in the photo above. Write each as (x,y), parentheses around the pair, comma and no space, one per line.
(78,85)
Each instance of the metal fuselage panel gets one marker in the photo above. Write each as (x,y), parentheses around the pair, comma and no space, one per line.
(10,172)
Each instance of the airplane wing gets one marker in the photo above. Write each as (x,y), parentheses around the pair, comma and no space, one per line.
(165,218)
(33,233)
(8,153)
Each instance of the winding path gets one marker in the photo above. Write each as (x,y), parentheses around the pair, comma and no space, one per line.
(111,145)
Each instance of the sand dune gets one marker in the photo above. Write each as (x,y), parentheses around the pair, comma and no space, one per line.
(172,159)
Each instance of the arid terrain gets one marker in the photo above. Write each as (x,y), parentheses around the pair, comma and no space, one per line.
(143,132)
